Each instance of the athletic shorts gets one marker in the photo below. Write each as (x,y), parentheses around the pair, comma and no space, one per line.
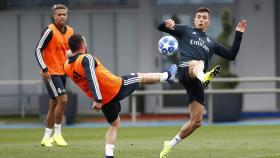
(112,109)
(56,86)
(194,87)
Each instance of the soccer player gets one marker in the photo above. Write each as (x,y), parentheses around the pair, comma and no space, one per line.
(51,54)
(104,88)
(196,49)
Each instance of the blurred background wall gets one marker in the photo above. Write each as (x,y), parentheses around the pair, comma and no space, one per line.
(123,34)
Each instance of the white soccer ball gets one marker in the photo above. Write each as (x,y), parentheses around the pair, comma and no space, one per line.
(168,45)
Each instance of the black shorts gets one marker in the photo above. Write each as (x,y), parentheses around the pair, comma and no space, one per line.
(194,87)
(112,109)
(56,86)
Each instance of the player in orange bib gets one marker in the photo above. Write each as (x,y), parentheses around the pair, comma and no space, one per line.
(51,55)
(104,88)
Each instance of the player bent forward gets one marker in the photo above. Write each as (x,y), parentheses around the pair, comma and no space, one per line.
(104,88)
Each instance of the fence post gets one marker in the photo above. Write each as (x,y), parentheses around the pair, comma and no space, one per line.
(210,106)
(133,109)
(22,106)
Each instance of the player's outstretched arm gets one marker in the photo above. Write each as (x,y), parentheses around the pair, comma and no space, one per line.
(170,27)
(169,24)
(241,26)
(231,54)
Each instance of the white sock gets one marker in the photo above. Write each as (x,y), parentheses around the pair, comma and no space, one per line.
(48,133)
(175,141)
(57,129)
(163,76)
(200,75)
(109,149)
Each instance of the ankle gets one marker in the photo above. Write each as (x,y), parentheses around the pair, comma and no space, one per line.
(109,150)
(57,129)
(164,76)
(175,141)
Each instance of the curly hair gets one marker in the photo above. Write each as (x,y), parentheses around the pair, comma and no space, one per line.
(58,6)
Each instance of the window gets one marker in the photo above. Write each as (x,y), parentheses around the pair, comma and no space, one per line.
(167,2)
(16,4)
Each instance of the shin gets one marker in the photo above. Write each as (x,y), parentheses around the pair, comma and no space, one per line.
(59,109)
(149,78)
(50,114)
(196,112)
(111,137)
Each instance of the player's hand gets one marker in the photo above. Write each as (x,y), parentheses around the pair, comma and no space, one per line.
(169,23)
(96,106)
(241,27)
(46,76)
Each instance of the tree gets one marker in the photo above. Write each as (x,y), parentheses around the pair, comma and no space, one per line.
(223,38)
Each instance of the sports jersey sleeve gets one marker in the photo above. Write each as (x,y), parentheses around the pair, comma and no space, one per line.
(89,65)
(229,54)
(179,30)
(41,45)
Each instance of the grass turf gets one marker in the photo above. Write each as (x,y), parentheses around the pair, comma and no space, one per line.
(146,142)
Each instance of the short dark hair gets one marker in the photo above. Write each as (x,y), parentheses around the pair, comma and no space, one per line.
(75,41)
(204,9)
(56,7)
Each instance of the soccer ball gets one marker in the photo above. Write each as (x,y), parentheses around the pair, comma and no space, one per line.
(168,45)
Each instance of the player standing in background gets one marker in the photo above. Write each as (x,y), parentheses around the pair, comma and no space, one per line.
(104,88)
(51,54)
(196,49)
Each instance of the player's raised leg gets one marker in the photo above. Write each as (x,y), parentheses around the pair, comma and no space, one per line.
(210,75)
(151,78)
(197,67)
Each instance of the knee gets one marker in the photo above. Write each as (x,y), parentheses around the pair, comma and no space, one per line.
(141,77)
(53,102)
(52,105)
(116,125)
(200,62)
(62,100)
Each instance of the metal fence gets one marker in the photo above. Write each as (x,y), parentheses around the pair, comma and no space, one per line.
(20,93)
(210,91)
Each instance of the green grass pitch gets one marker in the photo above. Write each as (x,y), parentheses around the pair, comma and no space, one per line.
(146,142)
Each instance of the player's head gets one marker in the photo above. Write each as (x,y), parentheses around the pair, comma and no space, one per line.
(59,14)
(202,18)
(77,43)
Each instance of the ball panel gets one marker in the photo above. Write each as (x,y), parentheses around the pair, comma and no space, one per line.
(168,45)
